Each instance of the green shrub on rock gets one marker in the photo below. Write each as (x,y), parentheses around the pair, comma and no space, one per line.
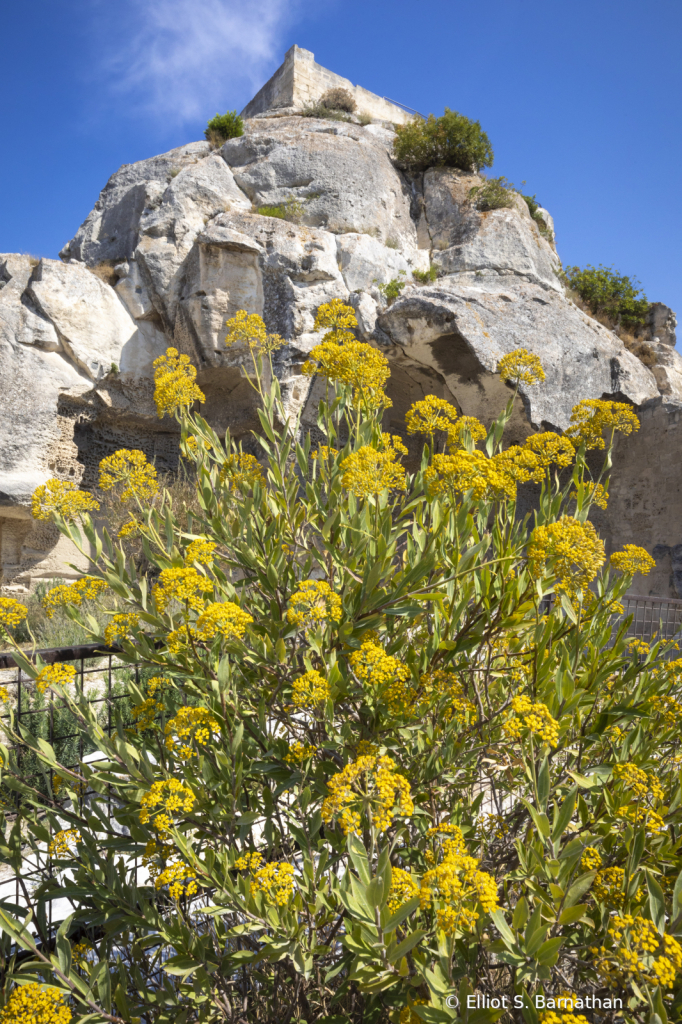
(494,194)
(448,141)
(609,294)
(223,127)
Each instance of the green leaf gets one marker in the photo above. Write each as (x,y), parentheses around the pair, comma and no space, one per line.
(564,815)
(543,784)
(579,887)
(572,914)
(656,902)
(401,914)
(408,943)
(677,896)
(549,950)
(503,928)
(520,915)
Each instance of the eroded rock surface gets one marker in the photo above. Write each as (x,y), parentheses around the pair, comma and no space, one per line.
(175,246)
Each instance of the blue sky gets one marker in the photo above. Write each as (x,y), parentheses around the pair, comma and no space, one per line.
(581,100)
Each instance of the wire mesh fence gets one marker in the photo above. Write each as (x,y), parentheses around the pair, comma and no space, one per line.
(104,680)
(653,617)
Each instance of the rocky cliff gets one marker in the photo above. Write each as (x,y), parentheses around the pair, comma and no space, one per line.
(174,246)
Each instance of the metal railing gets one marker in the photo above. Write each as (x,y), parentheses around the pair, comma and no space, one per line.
(409,110)
(104,681)
(653,617)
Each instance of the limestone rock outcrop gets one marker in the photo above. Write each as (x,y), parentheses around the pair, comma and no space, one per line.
(175,245)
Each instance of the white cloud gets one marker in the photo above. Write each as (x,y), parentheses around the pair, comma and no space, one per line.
(184,59)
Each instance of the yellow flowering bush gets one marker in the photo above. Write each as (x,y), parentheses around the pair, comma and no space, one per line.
(32,1004)
(85,589)
(491,798)
(58,674)
(632,559)
(176,390)
(521,367)
(131,469)
(11,612)
(310,690)
(62,498)
(355,364)
(313,605)
(249,329)
(571,549)
(592,417)
(369,471)
(430,414)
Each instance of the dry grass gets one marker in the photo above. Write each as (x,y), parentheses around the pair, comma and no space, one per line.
(214,138)
(105,272)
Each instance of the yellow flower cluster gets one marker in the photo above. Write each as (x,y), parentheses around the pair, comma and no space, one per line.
(129,529)
(80,954)
(372,782)
(462,471)
(180,880)
(521,367)
(594,493)
(310,690)
(551,1017)
(226,620)
(403,889)
(169,794)
(491,826)
(466,425)
(313,605)
(669,709)
(31,1004)
(532,717)
(430,414)
(608,887)
(276,882)
(570,550)
(591,417)
(638,954)
(11,612)
(181,584)
(250,329)
(383,673)
(128,467)
(120,627)
(86,589)
(352,363)
(299,752)
(407,1014)
(200,551)
(633,559)
(637,780)
(58,674)
(175,387)
(641,817)
(335,316)
(369,471)
(441,691)
(242,471)
(63,843)
(190,725)
(144,714)
(59,497)
(551,449)
(591,859)
(456,885)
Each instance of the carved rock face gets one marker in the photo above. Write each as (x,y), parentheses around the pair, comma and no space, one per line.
(175,246)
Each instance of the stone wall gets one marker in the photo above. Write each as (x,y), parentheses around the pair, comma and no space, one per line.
(300,82)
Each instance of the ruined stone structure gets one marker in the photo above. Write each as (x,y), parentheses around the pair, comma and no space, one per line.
(300,82)
(175,245)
